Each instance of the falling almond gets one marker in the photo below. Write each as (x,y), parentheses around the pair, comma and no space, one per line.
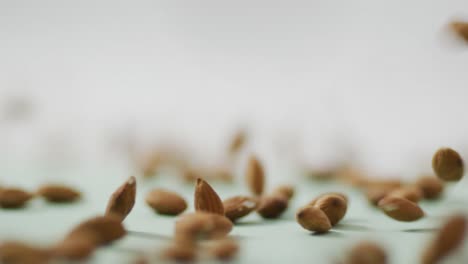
(400,209)
(448,164)
(206,199)
(255,176)
(122,200)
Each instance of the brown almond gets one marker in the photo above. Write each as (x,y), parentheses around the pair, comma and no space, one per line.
(410,192)
(400,209)
(334,207)
(448,239)
(206,199)
(122,200)
(239,206)
(237,142)
(58,193)
(78,248)
(166,202)
(102,230)
(343,196)
(20,253)
(431,187)
(14,198)
(224,249)
(374,195)
(366,252)
(272,206)
(202,225)
(179,252)
(255,176)
(461,29)
(313,219)
(448,165)
(286,190)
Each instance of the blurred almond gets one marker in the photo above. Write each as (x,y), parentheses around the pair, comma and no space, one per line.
(400,209)
(334,207)
(343,196)
(206,199)
(272,206)
(202,225)
(78,248)
(20,253)
(431,187)
(179,252)
(237,142)
(166,202)
(286,190)
(313,219)
(239,206)
(461,29)
(223,249)
(101,230)
(374,195)
(122,200)
(14,197)
(410,192)
(448,165)
(255,176)
(58,193)
(366,252)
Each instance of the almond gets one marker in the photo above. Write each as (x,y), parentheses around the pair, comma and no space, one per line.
(255,176)
(461,29)
(101,230)
(122,200)
(58,193)
(400,209)
(237,142)
(166,202)
(78,248)
(239,206)
(14,197)
(206,199)
(327,194)
(374,195)
(19,253)
(448,239)
(202,225)
(334,207)
(410,192)
(431,187)
(286,190)
(180,253)
(313,219)
(272,206)
(224,249)
(366,252)
(448,165)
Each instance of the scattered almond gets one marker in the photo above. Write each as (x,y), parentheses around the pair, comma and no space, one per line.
(431,187)
(239,206)
(448,239)
(272,206)
(334,207)
(101,230)
(206,199)
(78,248)
(313,219)
(202,225)
(286,190)
(366,252)
(400,209)
(461,29)
(179,252)
(255,176)
(374,195)
(166,202)
(343,196)
(14,197)
(122,200)
(448,165)
(410,192)
(58,193)
(224,249)
(19,253)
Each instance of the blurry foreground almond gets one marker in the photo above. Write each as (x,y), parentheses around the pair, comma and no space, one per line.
(101,229)
(58,193)
(237,142)
(431,187)
(448,164)
(20,253)
(179,252)
(313,219)
(224,249)
(122,200)
(255,176)
(166,202)
(239,206)
(461,29)
(14,197)
(206,199)
(272,206)
(366,252)
(400,209)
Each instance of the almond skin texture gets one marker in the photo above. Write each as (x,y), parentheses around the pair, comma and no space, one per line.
(431,187)
(448,165)
(334,207)
(272,206)
(448,239)
(202,225)
(224,249)
(400,209)
(461,29)
(58,193)
(239,206)
(166,202)
(206,199)
(412,193)
(286,190)
(101,230)
(366,253)
(122,200)
(19,253)
(313,219)
(255,176)
(14,198)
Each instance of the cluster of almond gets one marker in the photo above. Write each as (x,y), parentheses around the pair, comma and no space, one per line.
(83,239)
(17,198)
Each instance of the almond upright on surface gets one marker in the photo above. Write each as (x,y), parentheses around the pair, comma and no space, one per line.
(431,187)
(272,206)
(255,176)
(101,230)
(239,206)
(366,252)
(14,197)
(206,199)
(58,193)
(313,219)
(166,202)
(448,164)
(202,225)
(334,207)
(400,209)
(122,200)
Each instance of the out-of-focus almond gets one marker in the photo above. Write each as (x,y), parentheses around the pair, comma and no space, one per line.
(180,253)
(78,248)
(223,249)
(122,200)
(286,190)
(202,225)
(58,193)
(366,252)
(448,164)
(334,207)
(20,253)
(237,142)
(14,197)
(343,196)
(313,219)
(255,176)
(102,230)
(410,192)
(400,209)
(374,195)
(447,240)
(272,206)
(166,202)
(206,199)
(431,187)
(461,29)
(239,206)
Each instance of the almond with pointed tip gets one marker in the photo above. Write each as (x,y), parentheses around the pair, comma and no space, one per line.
(122,200)
(239,206)
(448,164)
(366,252)
(431,187)
(14,197)
(272,206)
(56,193)
(313,219)
(400,209)
(255,176)
(166,202)
(334,207)
(206,199)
